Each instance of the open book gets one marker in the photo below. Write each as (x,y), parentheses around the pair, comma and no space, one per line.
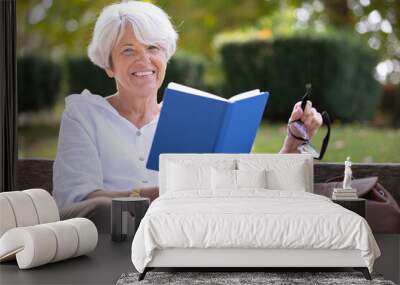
(194,121)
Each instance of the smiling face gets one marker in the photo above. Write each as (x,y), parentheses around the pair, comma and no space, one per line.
(137,68)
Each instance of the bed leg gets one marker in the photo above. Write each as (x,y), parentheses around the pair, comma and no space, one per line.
(364,271)
(143,274)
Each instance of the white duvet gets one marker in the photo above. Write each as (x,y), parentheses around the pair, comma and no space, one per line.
(250,219)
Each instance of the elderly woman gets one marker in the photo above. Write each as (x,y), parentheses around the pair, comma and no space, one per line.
(104,142)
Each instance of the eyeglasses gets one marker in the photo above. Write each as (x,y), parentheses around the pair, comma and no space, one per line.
(298,130)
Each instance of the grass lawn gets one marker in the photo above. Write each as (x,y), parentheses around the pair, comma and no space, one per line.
(38,141)
(363,144)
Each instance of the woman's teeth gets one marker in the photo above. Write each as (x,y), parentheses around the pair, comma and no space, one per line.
(143,73)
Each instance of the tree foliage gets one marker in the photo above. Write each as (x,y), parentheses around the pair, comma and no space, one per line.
(60,27)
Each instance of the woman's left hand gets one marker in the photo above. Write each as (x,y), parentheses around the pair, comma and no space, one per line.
(312,120)
(150,192)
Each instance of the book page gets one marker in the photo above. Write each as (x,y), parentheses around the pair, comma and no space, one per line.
(245,95)
(193,91)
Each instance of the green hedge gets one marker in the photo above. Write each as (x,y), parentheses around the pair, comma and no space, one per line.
(390,103)
(339,68)
(38,82)
(184,68)
(83,74)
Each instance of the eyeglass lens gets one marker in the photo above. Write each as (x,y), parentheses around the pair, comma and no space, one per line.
(299,130)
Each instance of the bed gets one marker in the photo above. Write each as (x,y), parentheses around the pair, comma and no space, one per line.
(247,210)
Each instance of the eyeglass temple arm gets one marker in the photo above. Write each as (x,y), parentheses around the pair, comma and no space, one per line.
(306,96)
(325,142)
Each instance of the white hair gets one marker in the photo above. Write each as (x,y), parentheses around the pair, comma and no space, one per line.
(150,24)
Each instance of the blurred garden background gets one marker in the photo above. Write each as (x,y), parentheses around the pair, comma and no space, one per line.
(349,50)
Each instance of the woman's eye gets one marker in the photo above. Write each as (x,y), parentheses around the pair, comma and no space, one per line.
(154,47)
(127,51)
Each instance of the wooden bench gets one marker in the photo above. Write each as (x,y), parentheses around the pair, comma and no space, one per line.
(37,173)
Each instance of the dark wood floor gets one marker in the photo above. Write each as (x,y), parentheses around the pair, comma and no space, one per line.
(102,266)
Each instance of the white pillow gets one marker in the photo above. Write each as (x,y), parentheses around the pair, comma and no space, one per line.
(188,177)
(223,179)
(290,181)
(282,173)
(251,178)
(235,179)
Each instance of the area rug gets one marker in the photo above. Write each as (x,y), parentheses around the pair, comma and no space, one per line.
(243,278)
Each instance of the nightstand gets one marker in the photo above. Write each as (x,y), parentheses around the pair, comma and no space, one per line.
(358,206)
(126,214)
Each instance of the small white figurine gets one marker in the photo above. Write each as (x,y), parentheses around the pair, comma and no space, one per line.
(346,192)
(347,174)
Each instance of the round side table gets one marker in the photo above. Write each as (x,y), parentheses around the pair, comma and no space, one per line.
(126,214)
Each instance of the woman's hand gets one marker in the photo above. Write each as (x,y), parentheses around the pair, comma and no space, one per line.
(150,192)
(312,120)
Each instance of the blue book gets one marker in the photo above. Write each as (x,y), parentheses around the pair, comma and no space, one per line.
(194,121)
